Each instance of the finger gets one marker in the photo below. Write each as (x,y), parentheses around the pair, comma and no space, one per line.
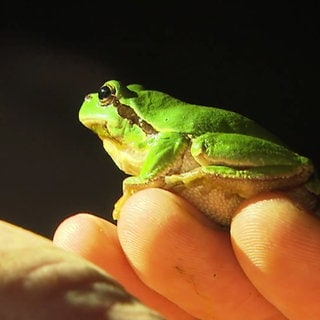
(278,246)
(187,260)
(97,240)
(40,281)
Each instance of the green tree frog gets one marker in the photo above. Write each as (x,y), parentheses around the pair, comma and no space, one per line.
(212,157)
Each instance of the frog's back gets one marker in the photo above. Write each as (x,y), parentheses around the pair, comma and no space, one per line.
(177,116)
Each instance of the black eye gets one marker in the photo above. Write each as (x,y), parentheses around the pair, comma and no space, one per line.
(104,92)
(106,95)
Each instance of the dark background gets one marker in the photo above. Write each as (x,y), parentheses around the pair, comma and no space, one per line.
(259,61)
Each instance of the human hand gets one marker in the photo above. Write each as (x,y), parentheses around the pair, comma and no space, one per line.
(40,281)
(173,259)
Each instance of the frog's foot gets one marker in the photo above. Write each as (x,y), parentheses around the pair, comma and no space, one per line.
(132,185)
(117,207)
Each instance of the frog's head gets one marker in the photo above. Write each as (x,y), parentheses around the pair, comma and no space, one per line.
(111,115)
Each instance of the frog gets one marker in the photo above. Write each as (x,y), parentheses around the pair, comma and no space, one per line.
(212,157)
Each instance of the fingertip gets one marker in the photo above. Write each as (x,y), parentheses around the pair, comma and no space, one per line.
(97,240)
(156,218)
(268,221)
(154,206)
(140,221)
(277,245)
(147,215)
(81,233)
(67,229)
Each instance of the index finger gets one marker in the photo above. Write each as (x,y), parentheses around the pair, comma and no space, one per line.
(188,261)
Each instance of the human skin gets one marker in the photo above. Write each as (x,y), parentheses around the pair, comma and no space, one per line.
(266,267)
(41,281)
(174,260)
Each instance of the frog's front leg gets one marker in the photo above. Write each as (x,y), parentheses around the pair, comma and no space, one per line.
(165,157)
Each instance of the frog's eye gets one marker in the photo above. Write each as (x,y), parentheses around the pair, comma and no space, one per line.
(106,95)
(104,92)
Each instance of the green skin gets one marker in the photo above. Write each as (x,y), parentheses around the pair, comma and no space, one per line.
(164,142)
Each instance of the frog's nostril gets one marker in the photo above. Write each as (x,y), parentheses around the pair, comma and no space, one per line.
(88,97)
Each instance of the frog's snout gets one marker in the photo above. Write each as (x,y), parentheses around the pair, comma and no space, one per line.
(88,97)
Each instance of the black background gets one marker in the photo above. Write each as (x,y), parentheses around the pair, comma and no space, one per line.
(258,61)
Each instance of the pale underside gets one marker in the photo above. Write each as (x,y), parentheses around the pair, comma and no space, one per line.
(218,196)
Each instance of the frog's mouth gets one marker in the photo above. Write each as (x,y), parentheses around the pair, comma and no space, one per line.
(98,127)
(128,159)
(125,156)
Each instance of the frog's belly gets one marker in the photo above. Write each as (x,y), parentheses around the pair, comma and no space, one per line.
(219,197)
(214,203)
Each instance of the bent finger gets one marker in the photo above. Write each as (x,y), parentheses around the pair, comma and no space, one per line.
(182,256)
(278,246)
(97,240)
